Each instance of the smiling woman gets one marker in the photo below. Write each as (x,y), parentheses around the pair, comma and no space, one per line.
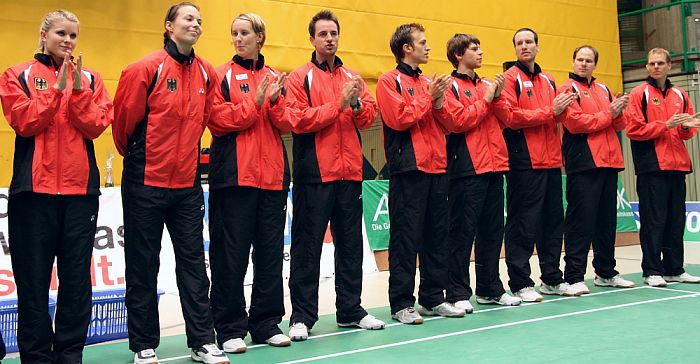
(163,104)
(56,108)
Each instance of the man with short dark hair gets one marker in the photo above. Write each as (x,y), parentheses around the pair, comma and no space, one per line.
(476,163)
(660,118)
(413,114)
(593,158)
(527,108)
(331,104)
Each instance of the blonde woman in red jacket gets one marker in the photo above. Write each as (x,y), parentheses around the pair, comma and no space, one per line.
(56,107)
(248,185)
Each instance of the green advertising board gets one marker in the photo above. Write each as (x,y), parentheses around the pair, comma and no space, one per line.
(375,205)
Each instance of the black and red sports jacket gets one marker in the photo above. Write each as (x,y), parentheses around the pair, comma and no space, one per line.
(414,134)
(476,144)
(590,132)
(162,106)
(54,153)
(327,144)
(247,149)
(655,147)
(525,109)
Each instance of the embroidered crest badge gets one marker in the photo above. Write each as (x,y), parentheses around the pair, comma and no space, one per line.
(655,101)
(40,83)
(468,93)
(245,88)
(410,91)
(529,92)
(172,84)
(585,93)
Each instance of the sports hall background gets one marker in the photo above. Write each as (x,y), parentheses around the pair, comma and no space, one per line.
(116,33)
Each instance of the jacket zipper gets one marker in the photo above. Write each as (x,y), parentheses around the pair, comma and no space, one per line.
(58,138)
(260,139)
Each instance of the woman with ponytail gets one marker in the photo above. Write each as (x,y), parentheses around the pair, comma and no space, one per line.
(162,106)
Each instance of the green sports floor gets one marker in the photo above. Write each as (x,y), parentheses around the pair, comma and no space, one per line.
(637,325)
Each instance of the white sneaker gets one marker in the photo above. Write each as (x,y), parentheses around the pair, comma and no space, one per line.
(682,278)
(444,309)
(577,289)
(147,356)
(298,331)
(234,346)
(528,294)
(408,315)
(209,354)
(616,281)
(368,322)
(279,340)
(504,300)
(655,281)
(561,289)
(464,305)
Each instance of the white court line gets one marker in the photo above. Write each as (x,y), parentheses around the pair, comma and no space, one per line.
(344,332)
(673,290)
(435,337)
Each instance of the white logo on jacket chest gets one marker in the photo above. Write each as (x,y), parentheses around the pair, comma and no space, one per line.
(241,76)
(528,84)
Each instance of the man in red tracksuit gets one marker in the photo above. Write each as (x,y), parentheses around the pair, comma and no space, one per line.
(412,111)
(332,103)
(659,118)
(527,107)
(593,157)
(476,162)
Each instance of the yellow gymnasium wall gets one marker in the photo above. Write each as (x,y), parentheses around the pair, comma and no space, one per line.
(114,34)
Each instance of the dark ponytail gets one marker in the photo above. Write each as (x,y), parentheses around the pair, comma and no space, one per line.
(171,15)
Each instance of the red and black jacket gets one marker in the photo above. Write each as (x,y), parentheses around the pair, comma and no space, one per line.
(590,132)
(476,144)
(162,106)
(247,149)
(414,134)
(525,109)
(327,144)
(655,147)
(54,153)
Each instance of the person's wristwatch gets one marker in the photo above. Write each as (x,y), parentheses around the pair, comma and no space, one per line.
(356,107)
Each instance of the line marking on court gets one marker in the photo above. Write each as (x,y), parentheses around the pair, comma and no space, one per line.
(673,290)
(499,308)
(485,328)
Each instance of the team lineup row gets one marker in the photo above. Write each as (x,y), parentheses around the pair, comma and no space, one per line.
(445,136)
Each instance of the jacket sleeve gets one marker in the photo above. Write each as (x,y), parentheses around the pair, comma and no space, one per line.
(620,122)
(461,118)
(368,113)
(506,109)
(280,114)
(91,112)
(236,115)
(637,127)
(396,112)
(307,118)
(211,94)
(28,116)
(689,133)
(130,103)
